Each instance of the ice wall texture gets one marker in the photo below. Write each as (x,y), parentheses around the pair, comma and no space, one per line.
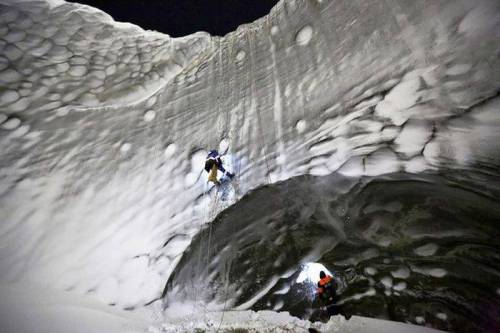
(419,249)
(104,126)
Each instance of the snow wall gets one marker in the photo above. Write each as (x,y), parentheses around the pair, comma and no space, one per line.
(105,127)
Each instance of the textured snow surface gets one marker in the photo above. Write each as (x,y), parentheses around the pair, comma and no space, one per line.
(282,322)
(29,308)
(103,126)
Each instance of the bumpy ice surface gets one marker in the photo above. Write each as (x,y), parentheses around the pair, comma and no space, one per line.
(104,128)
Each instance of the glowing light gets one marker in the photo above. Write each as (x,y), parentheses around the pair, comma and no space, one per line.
(310,271)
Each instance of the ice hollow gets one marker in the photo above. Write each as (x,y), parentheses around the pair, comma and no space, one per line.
(409,244)
(103,125)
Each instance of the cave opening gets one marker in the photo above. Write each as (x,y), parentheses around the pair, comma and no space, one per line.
(399,247)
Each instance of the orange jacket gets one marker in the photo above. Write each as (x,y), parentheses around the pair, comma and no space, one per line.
(322,283)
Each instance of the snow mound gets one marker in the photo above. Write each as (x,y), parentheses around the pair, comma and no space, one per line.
(29,309)
(278,322)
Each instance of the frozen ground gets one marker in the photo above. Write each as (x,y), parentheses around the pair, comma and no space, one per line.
(104,126)
(26,309)
(31,308)
(280,322)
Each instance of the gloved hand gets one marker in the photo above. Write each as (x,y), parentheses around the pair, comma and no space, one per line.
(230,175)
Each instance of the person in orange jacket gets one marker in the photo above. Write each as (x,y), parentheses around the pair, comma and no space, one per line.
(326,288)
(326,292)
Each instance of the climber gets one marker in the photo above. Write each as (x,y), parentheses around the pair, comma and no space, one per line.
(326,293)
(214,163)
(326,288)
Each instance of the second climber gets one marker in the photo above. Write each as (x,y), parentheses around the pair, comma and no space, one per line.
(213,163)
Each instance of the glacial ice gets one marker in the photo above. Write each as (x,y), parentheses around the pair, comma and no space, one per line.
(370,270)
(401,273)
(426,250)
(400,286)
(304,35)
(11,124)
(104,126)
(441,316)
(387,282)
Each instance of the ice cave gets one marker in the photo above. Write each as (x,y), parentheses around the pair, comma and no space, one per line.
(365,141)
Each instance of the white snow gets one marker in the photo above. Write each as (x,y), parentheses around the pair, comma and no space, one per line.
(353,168)
(310,272)
(276,322)
(413,137)
(190,179)
(370,270)
(77,70)
(282,291)
(125,147)
(417,164)
(151,101)
(479,20)
(10,75)
(170,150)
(368,293)
(149,115)
(401,273)
(91,193)
(304,36)
(223,146)
(15,36)
(458,69)
(301,126)
(42,49)
(33,308)
(404,94)
(441,315)
(21,105)
(381,162)
(197,160)
(400,286)
(426,250)
(9,96)
(20,131)
(386,281)
(278,305)
(12,53)
(248,304)
(240,56)
(434,272)
(437,272)
(11,124)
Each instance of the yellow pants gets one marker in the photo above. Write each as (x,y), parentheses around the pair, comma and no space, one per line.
(212,175)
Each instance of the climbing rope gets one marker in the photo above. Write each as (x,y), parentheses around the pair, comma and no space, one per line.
(224,133)
(237,171)
(212,206)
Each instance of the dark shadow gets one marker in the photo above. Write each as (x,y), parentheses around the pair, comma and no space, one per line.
(401,247)
(180,18)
